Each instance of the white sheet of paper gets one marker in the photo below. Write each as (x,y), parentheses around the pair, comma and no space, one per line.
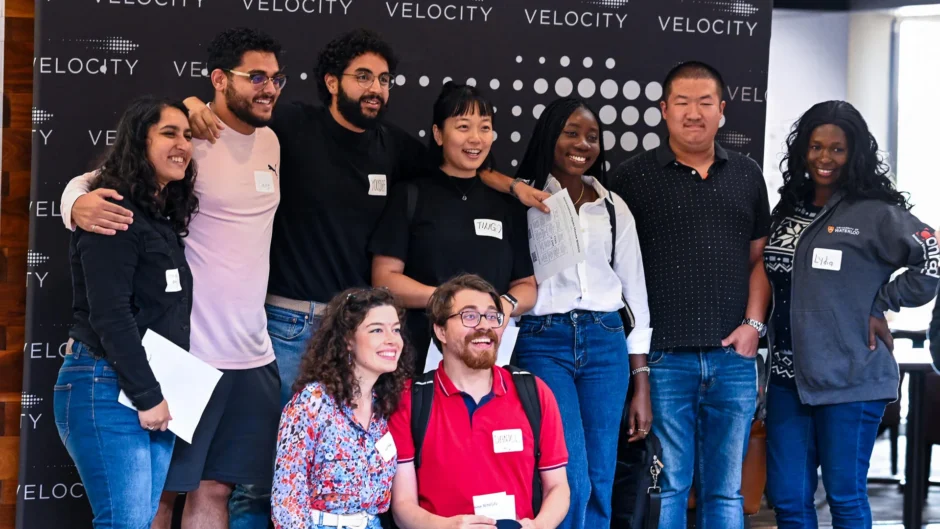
(186,382)
(555,239)
(503,354)
(499,506)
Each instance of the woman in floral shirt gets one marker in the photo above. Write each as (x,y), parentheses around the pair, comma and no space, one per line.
(335,456)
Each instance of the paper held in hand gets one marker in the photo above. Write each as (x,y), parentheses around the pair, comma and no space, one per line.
(555,239)
(499,506)
(186,382)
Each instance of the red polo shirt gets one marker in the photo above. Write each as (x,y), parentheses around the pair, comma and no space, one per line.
(458,461)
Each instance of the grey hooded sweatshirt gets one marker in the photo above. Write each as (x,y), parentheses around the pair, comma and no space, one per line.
(841,275)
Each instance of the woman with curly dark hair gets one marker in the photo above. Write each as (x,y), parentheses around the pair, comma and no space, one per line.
(335,456)
(839,233)
(123,286)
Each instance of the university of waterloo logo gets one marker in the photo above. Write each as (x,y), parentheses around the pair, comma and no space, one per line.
(831,229)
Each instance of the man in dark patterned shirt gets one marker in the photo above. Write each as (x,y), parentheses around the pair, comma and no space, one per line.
(703,218)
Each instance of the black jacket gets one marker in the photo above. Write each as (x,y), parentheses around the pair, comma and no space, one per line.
(125,284)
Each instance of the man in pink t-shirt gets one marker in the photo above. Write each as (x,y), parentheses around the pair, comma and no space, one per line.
(227,249)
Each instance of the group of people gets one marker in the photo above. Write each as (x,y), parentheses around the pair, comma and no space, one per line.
(316,254)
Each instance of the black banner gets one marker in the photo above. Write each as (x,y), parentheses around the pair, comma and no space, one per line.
(94,56)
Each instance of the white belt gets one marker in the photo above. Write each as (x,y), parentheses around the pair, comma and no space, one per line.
(353,521)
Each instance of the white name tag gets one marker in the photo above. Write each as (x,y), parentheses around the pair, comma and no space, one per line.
(264,182)
(173,281)
(505,441)
(378,185)
(489,228)
(386,447)
(825,259)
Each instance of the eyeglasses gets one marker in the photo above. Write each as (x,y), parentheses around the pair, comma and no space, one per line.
(471,318)
(258,80)
(366,79)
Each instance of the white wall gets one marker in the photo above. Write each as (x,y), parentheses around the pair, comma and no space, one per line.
(809,58)
(869,72)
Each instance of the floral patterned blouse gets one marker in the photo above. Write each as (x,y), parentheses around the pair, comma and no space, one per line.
(327,461)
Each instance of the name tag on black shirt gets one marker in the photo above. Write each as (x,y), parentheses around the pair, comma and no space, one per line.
(489,228)
(378,185)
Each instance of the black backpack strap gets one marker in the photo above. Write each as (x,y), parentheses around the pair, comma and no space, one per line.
(529,395)
(422,394)
(613,228)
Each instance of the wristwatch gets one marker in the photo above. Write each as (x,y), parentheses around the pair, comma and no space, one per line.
(512,187)
(761,328)
(511,300)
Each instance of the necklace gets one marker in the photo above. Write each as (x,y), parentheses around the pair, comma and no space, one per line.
(581,195)
(463,192)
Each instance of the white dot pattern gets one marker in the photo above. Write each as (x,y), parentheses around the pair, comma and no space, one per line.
(695,234)
(424,80)
(400,80)
(35,258)
(111,44)
(28,400)
(40,116)
(734,7)
(733,138)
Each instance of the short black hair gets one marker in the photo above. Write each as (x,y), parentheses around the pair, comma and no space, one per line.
(336,56)
(457,100)
(693,70)
(228,48)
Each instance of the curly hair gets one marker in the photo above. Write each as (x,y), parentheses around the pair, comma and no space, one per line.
(327,357)
(865,174)
(336,56)
(540,154)
(229,47)
(128,170)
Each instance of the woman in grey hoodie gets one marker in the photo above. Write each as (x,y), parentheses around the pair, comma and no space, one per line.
(839,233)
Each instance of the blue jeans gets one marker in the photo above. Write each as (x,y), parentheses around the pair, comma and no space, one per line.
(122,465)
(703,406)
(291,331)
(800,439)
(582,357)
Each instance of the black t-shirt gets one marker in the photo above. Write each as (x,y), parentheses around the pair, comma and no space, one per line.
(446,235)
(696,236)
(334,186)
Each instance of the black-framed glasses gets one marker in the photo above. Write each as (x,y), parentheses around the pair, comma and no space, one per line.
(471,318)
(366,79)
(258,80)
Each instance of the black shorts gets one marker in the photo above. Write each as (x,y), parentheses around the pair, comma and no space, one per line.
(236,438)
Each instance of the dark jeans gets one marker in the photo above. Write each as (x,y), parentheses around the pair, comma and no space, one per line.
(582,357)
(800,439)
(291,331)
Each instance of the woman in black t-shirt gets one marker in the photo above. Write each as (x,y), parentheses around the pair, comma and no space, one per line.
(449,223)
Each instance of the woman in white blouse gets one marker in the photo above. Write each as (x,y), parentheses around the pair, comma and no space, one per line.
(574,337)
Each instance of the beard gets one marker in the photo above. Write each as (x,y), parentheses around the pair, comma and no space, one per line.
(351,109)
(481,360)
(241,108)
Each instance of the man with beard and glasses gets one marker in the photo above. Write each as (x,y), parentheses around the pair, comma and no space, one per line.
(227,249)
(478,439)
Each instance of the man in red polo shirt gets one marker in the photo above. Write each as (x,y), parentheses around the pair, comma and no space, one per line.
(478,440)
